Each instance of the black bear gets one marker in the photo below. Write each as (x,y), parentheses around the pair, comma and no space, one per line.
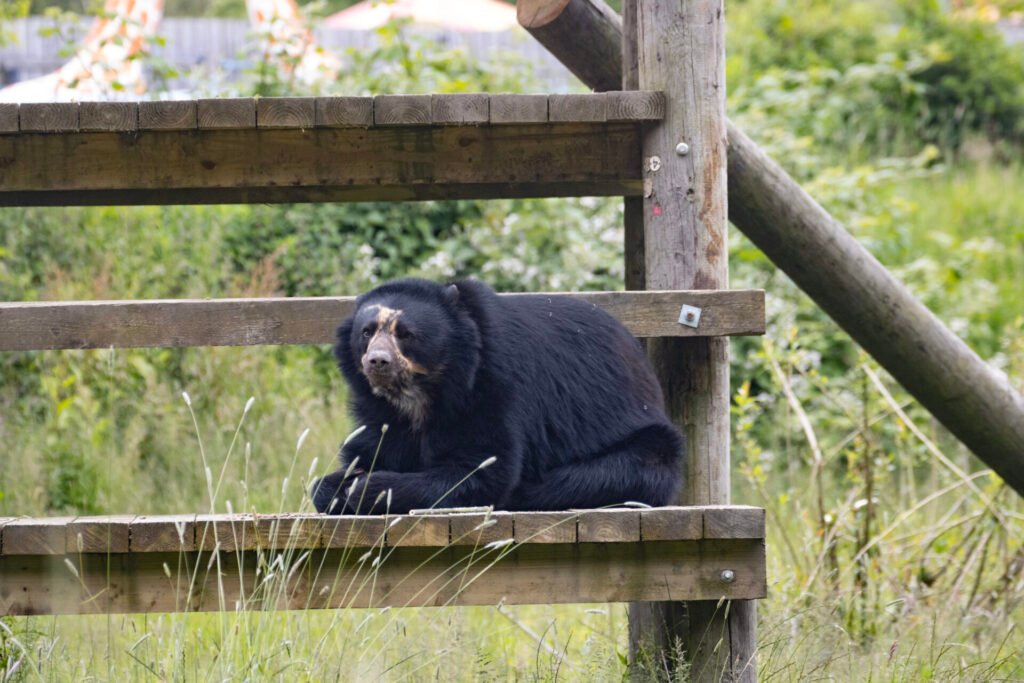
(523,403)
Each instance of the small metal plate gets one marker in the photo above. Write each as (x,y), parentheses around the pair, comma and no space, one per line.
(689,316)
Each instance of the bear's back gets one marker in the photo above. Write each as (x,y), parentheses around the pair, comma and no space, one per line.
(578,380)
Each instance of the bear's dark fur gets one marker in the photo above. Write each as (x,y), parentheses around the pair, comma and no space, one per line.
(555,390)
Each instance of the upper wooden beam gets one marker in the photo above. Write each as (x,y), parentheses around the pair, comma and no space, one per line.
(28,326)
(242,113)
(261,164)
(295,149)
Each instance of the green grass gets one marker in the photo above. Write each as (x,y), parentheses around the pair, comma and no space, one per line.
(882,563)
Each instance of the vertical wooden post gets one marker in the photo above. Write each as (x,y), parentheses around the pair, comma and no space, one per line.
(633,207)
(681,51)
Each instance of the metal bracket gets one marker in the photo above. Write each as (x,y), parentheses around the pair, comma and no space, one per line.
(689,316)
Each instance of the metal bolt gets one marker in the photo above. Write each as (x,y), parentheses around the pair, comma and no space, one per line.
(689,315)
(727,576)
(682,149)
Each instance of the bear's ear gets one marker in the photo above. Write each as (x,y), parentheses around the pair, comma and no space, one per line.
(451,294)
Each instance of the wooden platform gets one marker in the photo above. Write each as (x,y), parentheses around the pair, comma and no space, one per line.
(389,147)
(245,322)
(216,562)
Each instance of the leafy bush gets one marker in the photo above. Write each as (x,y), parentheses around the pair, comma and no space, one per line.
(883,77)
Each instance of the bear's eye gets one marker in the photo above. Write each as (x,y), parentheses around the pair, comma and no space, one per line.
(404,333)
(367,331)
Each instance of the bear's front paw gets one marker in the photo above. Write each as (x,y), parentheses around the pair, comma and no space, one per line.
(329,493)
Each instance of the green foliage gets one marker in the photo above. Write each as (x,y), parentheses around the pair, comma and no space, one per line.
(899,120)
(883,77)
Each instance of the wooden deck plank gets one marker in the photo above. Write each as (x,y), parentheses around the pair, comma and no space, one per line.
(460,109)
(344,112)
(35,536)
(518,109)
(107,534)
(50,117)
(228,532)
(672,523)
(418,530)
(286,112)
(108,116)
(248,322)
(290,531)
(545,527)
(401,110)
(577,108)
(228,112)
(608,526)
(162,533)
(395,163)
(479,529)
(361,531)
(635,105)
(168,115)
(233,532)
(405,576)
(8,117)
(733,521)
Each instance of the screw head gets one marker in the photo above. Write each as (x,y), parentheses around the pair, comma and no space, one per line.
(727,576)
(682,149)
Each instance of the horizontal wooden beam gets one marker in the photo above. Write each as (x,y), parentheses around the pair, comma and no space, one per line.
(245,322)
(163,564)
(309,531)
(199,581)
(329,112)
(262,164)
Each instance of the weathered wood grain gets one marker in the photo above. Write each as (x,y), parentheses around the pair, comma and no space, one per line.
(29,536)
(407,576)
(344,112)
(577,108)
(545,527)
(671,523)
(290,531)
(401,110)
(733,521)
(286,112)
(641,105)
(247,322)
(50,117)
(230,112)
(353,532)
(162,533)
(8,117)
(106,534)
(108,116)
(460,109)
(418,530)
(322,164)
(227,533)
(479,529)
(173,533)
(582,34)
(608,526)
(511,109)
(168,115)
(3,521)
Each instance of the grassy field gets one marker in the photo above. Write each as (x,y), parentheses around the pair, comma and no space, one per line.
(892,555)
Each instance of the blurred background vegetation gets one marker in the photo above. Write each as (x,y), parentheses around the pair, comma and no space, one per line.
(904,119)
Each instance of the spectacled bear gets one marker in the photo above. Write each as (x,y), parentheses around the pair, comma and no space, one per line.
(522,402)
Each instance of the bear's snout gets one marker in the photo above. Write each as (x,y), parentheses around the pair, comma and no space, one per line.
(378,361)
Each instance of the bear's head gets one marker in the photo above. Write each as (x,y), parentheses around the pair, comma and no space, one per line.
(407,340)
